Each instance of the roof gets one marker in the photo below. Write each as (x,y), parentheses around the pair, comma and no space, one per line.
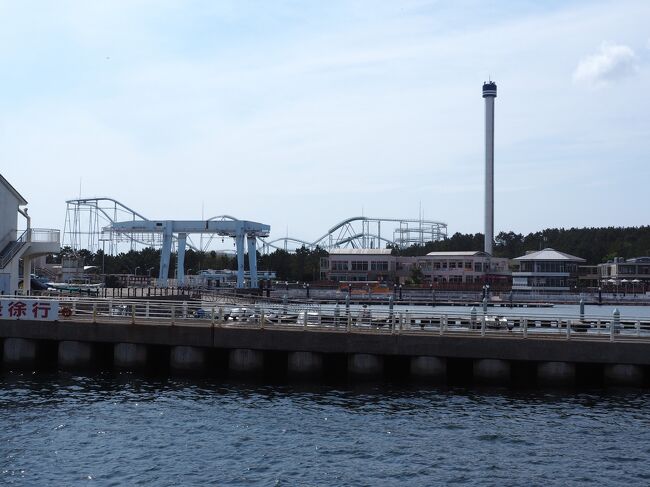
(21,201)
(459,253)
(360,252)
(550,254)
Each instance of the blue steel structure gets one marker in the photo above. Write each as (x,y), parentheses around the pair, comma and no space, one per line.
(240,230)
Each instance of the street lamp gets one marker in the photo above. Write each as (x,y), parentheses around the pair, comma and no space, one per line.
(150,269)
(136,270)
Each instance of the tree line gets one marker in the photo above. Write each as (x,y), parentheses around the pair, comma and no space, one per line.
(301,265)
(595,245)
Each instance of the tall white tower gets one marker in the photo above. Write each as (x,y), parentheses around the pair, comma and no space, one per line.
(489,93)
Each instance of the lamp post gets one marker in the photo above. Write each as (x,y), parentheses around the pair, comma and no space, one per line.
(135,271)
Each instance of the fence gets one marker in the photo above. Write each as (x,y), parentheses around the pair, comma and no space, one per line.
(354,319)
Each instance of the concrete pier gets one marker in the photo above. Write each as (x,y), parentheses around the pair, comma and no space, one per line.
(19,351)
(304,364)
(365,364)
(73,354)
(556,373)
(184,358)
(244,360)
(130,355)
(491,371)
(433,368)
(623,375)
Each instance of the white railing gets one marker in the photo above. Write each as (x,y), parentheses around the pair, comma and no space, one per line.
(355,319)
(46,235)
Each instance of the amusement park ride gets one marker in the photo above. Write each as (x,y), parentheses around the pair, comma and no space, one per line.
(106,224)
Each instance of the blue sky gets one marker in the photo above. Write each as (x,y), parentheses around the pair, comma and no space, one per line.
(301,114)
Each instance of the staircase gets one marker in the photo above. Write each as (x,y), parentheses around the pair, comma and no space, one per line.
(11,249)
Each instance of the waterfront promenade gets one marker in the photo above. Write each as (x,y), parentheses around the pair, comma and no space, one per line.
(311,340)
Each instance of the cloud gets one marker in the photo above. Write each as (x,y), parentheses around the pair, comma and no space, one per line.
(613,62)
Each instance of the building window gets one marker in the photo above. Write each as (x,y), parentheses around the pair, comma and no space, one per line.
(379,265)
(359,265)
(436,265)
(468,265)
(478,267)
(339,265)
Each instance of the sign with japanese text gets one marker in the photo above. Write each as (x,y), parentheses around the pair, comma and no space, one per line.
(29,309)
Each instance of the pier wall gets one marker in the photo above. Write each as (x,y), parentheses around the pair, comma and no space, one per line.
(491,359)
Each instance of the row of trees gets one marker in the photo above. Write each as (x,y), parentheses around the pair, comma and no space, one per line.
(596,245)
(302,265)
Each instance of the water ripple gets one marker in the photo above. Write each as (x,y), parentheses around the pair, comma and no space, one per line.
(62,429)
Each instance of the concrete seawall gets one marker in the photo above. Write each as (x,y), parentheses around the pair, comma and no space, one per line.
(621,362)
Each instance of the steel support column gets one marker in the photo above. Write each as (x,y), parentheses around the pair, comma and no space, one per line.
(252,260)
(239,241)
(165,254)
(180,263)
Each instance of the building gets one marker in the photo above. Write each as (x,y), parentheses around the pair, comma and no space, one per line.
(442,269)
(631,275)
(359,265)
(210,278)
(588,277)
(471,267)
(546,271)
(19,242)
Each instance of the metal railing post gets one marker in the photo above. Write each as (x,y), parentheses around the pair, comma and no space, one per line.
(638,328)
(133,314)
(261,319)
(483,326)
(94,312)
(568,329)
(614,324)
(173,311)
(221,316)
(212,316)
(525,327)
(146,310)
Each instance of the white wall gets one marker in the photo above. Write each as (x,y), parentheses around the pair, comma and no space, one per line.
(8,216)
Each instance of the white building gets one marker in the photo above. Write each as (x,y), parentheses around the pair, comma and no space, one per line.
(466,269)
(19,242)
(463,267)
(546,271)
(358,265)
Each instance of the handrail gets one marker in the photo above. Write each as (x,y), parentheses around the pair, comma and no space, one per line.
(13,248)
(47,235)
(356,319)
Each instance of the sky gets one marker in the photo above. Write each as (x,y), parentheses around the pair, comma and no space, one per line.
(301,114)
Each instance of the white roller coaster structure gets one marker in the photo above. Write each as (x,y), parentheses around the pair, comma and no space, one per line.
(88,219)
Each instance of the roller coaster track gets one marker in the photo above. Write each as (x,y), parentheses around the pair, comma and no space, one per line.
(87,220)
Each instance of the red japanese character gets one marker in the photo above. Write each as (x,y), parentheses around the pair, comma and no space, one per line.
(44,308)
(17,309)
